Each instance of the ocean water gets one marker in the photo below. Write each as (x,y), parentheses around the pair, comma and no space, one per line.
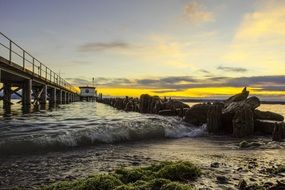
(79,139)
(89,123)
(83,124)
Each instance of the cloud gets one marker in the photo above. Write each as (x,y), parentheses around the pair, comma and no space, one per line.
(259,40)
(204,71)
(195,13)
(178,83)
(232,69)
(102,81)
(103,46)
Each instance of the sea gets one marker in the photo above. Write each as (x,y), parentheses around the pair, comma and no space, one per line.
(82,138)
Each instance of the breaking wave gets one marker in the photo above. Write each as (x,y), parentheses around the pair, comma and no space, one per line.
(39,133)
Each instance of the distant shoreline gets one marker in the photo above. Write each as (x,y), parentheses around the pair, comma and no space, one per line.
(213,100)
(209,100)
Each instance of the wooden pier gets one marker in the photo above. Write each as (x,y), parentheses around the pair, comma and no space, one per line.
(32,81)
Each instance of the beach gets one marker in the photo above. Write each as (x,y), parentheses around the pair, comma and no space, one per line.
(73,142)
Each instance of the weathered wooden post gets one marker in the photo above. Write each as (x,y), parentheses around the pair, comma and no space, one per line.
(27,93)
(43,98)
(60,97)
(214,118)
(243,122)
(7,91)
(64,97)
(52,98)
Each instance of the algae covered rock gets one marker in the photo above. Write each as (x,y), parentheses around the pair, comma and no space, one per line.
(180,171)
(245,144)
(176,186)
(162,176)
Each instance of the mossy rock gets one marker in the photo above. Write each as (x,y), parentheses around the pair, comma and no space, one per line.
(180,171)
(126,187)
(101,182)
(133,175)
(156,184)
(156,177)
(176,186)
(98,182)
(245,144)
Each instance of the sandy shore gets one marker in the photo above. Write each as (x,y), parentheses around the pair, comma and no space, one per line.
(223,163)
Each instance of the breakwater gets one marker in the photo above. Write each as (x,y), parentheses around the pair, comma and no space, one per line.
(237,116)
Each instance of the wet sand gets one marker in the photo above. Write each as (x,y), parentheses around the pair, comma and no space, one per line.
(217,156)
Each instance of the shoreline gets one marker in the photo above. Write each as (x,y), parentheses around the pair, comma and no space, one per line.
(202,151)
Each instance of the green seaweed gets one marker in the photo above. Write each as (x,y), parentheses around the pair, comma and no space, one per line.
(162,176)
(180,171)
(98,182)
(176,186)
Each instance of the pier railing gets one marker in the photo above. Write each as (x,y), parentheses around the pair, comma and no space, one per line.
(16,54)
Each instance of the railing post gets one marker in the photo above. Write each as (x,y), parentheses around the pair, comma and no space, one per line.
(33,65)
(24,59)
(40,68)
(10,51)
(46,72)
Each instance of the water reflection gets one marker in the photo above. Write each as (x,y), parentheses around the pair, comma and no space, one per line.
(17,109)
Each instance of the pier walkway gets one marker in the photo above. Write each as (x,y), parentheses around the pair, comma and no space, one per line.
(28,78)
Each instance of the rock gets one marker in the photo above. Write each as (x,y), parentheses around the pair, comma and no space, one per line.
(278,132)
(69,177)
(242,185)
(278,186)
(264,127)
(238,97)
(222,179)
(243,123)
(136,163)
(245,144)
(167,112)
(252,103)
(197,114)
(215,164)
(267,115)
(214,118)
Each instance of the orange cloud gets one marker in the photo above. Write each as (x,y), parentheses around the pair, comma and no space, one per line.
(195,13)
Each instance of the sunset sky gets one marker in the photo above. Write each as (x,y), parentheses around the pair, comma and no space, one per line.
(181,48)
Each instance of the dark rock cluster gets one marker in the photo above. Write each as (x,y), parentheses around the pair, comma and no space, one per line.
(237,115)
(148,104)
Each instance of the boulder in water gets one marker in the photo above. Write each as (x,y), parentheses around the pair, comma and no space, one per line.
(267,115)
(278,132)
(243,123)
(252,103)
(238,97)
(197,114)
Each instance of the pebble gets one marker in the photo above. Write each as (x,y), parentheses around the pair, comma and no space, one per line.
(215,165)
(222,179)
(135,163)
(242,184)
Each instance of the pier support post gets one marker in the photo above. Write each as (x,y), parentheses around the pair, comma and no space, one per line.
(7,91)
(60,97)
(43,98)
(27,93)
(52,99)
(64,97)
